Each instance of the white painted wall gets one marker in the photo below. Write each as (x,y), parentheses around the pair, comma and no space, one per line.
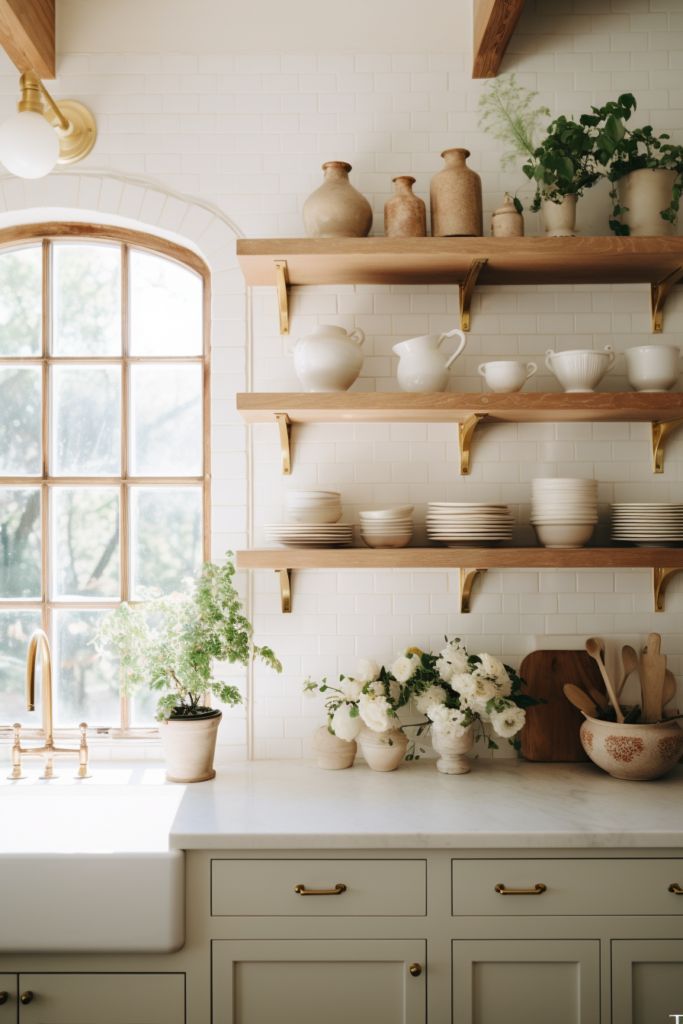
(181,103)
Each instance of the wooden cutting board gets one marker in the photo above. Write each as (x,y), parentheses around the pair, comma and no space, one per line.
(551,732)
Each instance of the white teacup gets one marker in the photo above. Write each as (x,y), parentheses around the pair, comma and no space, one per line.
(652,367)
(507,375)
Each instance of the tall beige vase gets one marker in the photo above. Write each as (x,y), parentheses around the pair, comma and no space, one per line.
(337,209)
(643,195)
(405,214)
(455,197)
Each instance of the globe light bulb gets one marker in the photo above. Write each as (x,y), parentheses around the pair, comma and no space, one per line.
(29,145)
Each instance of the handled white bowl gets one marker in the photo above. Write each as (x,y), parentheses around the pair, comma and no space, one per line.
(581,369)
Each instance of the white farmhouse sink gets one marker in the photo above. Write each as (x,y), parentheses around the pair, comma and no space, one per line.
(86,866)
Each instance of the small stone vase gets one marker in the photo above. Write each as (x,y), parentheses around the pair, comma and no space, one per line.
(453,751)
(405,214)
(337,209)
(507,221)
(455,197)
(331,752)
(559,219)
(643,195)
(383,751)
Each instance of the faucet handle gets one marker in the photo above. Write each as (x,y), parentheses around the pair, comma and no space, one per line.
(83,772)
(16,772)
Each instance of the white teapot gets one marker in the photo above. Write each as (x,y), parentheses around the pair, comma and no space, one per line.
(421,366)
(328,359)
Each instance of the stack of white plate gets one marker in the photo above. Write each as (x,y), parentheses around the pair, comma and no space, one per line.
(564,511)
(387,527)
(313,506)
(647,523)
(458,523)
(310,535)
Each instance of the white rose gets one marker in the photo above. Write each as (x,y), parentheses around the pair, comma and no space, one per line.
(375,712)
(456,656)
(431,697)
(476,691)
(366,670)
(509,721)
(444,668)
(404,668)
(491,667)
(343,724)
(448,722)
(377,688)
(351,689)
(461,681)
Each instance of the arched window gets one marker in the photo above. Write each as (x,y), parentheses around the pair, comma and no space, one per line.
(104,462)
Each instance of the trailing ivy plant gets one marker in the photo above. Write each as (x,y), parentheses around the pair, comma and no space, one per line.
(564,164)
(170,644)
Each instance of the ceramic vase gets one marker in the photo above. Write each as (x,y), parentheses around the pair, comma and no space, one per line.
(331,752)
(507,221)
(643,195)
(328,359)
(559,219)
(189,745)
(337,209)
(453,751)
(383,751)
(405,214)
(455,197)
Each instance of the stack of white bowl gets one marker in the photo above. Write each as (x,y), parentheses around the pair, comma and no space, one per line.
(564,511)
(463,523)
(312,521)
(313,506)
(387,527)
(648,523)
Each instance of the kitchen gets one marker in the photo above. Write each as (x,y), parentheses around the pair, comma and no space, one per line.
(168,444)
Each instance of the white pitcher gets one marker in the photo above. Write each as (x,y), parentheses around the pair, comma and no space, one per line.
(328,359)
(421,366)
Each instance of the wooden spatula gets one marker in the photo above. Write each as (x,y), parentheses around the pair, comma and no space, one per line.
(652,675)
(580,699)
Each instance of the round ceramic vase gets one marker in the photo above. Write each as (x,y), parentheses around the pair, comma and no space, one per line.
(455,197)
(331,752)
(405,214)
(453,751)
(189,745)
(337,209)
(383,751)
(329,358)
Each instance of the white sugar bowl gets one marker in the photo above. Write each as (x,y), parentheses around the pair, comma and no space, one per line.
(329,359)
(581,369)
(506,375)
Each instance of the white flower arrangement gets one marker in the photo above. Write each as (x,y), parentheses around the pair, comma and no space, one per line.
(371,697)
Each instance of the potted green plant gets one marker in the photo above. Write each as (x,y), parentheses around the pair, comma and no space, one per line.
(170,644)
(562,167)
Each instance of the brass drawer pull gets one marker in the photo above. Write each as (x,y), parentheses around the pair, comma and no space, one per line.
(676,889)
(415,970)
(301,890)
(4,996)
(503,890)
(26,998)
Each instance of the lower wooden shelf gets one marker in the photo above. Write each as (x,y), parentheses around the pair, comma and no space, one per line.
(664,562)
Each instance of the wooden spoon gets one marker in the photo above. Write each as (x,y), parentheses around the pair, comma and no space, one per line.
(580,699)
(598,696)
(629,661)
(669,687)
(652,674)
(595,646)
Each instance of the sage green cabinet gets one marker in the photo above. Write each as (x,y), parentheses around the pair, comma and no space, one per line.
(8,998)
(647,981)
(65,998)
(526,981)
(335,981)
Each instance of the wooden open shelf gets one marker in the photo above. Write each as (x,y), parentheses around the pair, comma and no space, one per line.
(664,562)
(464,262)
(664,411)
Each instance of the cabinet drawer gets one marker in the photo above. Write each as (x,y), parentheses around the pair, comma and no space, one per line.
(615,886)
(371,888)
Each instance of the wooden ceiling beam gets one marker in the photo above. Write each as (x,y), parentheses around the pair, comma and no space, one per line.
(494,23)
(27,34)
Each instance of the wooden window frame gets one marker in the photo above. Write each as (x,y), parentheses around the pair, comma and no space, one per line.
(46,234)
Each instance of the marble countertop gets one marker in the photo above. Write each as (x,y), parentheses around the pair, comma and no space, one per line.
(500,804)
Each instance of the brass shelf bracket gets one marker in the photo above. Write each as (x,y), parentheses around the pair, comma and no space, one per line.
(467,291)
(660,432)
(284,426)
(467,578)
(282,282)
(285,576)
(660,581)
(466,431)
(659,292)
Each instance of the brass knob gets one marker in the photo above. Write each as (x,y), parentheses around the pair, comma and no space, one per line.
(4,996)
(26,998)
(676,889)
(415,970)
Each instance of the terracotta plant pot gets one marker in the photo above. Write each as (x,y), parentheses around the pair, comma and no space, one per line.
(453,751)
(332,753)
(559,219)
(643,195)
(383,751)
(635,752)
(337,209)
(189,746)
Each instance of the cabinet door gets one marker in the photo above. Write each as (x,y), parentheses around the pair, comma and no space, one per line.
(522,981)
(308,981)
(8,998)
(647,981)
(103,998)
